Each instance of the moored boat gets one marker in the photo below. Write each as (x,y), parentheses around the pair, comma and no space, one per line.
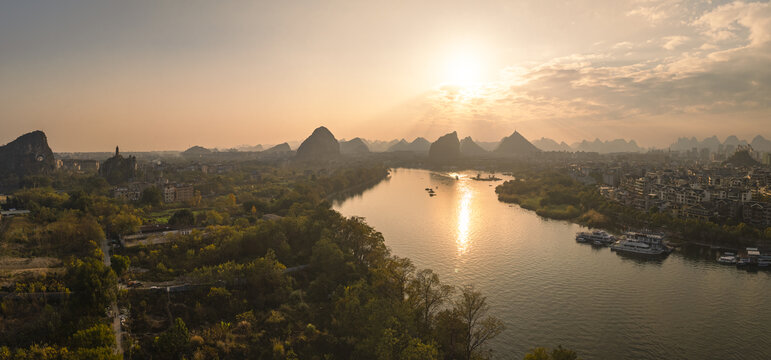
(728,258)
(641,244)
(597,237)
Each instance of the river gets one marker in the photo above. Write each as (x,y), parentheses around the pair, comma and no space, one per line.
(550,290)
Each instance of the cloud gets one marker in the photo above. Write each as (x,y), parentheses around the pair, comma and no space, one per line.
(656,11)
(673,42)
(698,77)
(730,21)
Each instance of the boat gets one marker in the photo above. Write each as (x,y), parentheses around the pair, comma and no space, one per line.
(597,237)
(728,258)
(751,261)
(641,244)
(490,177)
(764,262)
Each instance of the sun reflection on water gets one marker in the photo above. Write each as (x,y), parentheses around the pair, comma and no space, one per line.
(464,217)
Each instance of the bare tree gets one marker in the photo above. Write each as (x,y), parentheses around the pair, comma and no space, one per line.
(479,328)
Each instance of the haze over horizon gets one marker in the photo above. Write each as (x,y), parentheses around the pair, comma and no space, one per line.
(151,75)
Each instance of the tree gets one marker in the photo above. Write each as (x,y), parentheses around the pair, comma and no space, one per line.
(427,294)
(182,217)
(471,308)
(99,335)
(125,223)
(152,196)
(173,343)
(93,285)
(560,353)
(120,264)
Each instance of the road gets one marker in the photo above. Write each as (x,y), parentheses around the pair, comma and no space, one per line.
(116,328)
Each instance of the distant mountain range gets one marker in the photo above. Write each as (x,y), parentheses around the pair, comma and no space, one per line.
(547,144)
(418,145)
(607,147)
(472,147)
(758,143)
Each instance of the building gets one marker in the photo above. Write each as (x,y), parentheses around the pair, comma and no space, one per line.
(169,193)
(184,193)
(178,193)
(757,214)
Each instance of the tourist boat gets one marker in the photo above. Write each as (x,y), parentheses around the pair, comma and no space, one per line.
(641,244)
(597,237)
(728,258)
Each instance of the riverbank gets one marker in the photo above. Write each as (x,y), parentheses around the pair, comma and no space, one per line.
(550,290)
(555,195)
(356,189)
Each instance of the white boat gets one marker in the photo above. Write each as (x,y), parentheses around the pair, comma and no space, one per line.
(597,237)
(641,244)
(728,258)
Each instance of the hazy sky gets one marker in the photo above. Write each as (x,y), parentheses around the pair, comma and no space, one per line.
(155,74)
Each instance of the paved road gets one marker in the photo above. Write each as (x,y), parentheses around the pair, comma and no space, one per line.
(114,306)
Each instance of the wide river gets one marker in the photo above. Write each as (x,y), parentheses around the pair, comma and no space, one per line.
(550,290)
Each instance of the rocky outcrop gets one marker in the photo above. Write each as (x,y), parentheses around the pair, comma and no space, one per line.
(742,158)
(280,148)
(445,149)
(119,169)
(29,154)
(196,151)
(320,145)
(354,146)
(469,148)
(516,144)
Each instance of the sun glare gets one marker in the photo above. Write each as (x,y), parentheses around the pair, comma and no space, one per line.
(463,69)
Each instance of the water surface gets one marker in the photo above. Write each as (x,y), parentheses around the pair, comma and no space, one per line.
(550,290)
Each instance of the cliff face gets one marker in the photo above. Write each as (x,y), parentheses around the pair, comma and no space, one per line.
(445,149)
(320,145)
(469,147)
(354,146)
(27,155)
(516,144)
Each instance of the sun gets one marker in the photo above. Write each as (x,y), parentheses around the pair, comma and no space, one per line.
(463,69)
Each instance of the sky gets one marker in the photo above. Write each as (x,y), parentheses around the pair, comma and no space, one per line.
(167,75)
